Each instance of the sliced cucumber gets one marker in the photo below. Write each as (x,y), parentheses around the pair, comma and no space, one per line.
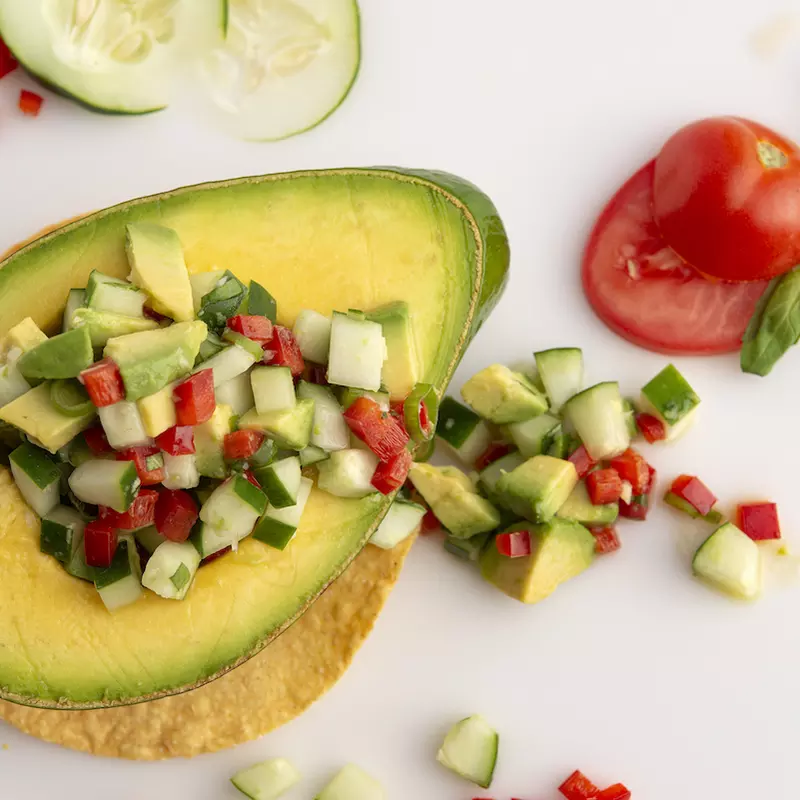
(114,57)
(313,455)
(149,538)
(236,393)
(123,425)
(208,540)
(401,520)
(348,396)
(463,430)
(77,566)
(357,353)
(273,389)
(227,364)
(281,481)
(268,780)
(284,67)
(62,532)
(37,477)
(348,473)
(330,431)
(12,383)
(352,783)
(75,299)
(730,561)
(278,526)
(252,347)
(313,333)
(106,483)
(181,471)
(291,429)
(468,549)
(671,399)
(579,507)
(598,414)
(534,436)
(470,750)
(490,476)
(234,507)
(120,584)
(561,372)
(104,293)
(171,569)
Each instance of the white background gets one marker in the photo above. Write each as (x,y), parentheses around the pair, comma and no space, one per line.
(633,672)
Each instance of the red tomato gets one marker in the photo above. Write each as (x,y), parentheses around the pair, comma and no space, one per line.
(725,197)
(645,293)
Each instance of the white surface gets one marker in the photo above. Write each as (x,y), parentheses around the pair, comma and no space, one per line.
(633,672)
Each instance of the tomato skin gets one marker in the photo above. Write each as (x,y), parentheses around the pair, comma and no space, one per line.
(720,208)
(641,290)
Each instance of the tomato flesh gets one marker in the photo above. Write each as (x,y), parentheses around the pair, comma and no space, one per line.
(644,292)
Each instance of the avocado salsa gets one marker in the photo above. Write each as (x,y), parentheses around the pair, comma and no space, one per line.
(173,417)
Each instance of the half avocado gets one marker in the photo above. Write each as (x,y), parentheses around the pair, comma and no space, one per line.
(350,238)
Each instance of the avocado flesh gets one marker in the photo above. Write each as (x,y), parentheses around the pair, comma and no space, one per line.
(428,239)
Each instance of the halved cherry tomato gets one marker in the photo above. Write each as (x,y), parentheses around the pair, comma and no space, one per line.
(643,291)
(725,198)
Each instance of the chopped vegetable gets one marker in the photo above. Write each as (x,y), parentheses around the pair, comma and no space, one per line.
(30,103)
(100,543)
(652,428)
(513,544)
(470,750)
(175,515)
(606,539)
(600,420)
(7,61)
(401,520)
(669,398)
(259,329)
(352,783)
(759,521)
(615,792)
(285,351)
(379,431)
(582,460)
(149,463)
(70,398)
(242,444)
(268,780)
(730,560)
(604,485)
(578,787)
(632,467)
(420,412)
(713,516)
(494,452)
(391,475)
(194,398)
(177,440)
(98,442)
(139,515)
(694,492)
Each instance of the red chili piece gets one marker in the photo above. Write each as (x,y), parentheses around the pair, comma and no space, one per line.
(7,61)
(578,787)
(30,103)
(140,514)
(242,444)
(194,398)
(615,792)
(175,515)
(378,430)
(759,521)
(259,329)
(285,351)
(652,428)
(390,475)
(177,440)
(103,383)
(493,452)
(631,467)
(96,439)
(139,456)
(694,492)
(99,543)
(582,460)
(514,544)
(604,485)
(606,540)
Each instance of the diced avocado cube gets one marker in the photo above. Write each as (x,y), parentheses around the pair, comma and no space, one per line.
(560,550)
(503,396)
(670,398)
(63,356)
(208,442)
(158,410)
(730,560)
(534,436)
(105,325)
(401,369)
(453,499)
(462,430)
(538,488)
(62,531)
(290,428)
(579,507)
(26,335)
(155,255)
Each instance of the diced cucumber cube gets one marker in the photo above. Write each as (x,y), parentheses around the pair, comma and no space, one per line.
(313,333)
(470,750)
(503,396)
(401,520)
(12,383)
(561,372)
(106,483)
(210,346)
(538,488)
(75,299)
(123,425)
(150,538)
(120,584)
(268,780)
(598,415)
(171,569)
(357,353)
(234,506)
(77,566)
(280,481)
(37,477)
(534,436)
(730,561)
(273,389)
(490,476)
(468,549)
(329,431)
(227,364)
(463,430)
(181,471)
(352,783)
(291,429)
(670,398)
(278,526)
(104,293)
(313,455)
(62,532)
(208,540)
(348,473)
(265,454)
(254,348)
(236,393)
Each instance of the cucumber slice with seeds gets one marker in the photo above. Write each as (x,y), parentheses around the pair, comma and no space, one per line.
(470,750)
(268,780)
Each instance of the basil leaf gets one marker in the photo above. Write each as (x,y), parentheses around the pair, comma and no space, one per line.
(775,326)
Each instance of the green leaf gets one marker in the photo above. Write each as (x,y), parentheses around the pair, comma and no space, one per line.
(775,325)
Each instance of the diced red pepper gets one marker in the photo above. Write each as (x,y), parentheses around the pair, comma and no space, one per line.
(578,787)
(582,460)
(151,313)
(259,329)
(390,475)
(140,514)
(631,467)
(652,428)
(514,544)
(99,543)
(103,383)
(285,351)
(605,540)
(639,506)
(397,407)
(759,521)
(96,439)
(425,419)
(139,456)
(604,485)
(380,431)
(694,492)
(252,478)
(30,103)
(494,451)
(175,515)
(615,792)
(177,440)
(430,523)
(194,398)
(242,444)
(7,61)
